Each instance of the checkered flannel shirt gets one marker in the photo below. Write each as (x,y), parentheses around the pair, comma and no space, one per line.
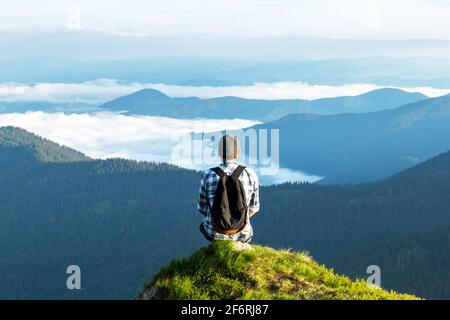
(207,191)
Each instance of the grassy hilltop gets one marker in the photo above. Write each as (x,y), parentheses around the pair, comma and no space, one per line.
(223,271)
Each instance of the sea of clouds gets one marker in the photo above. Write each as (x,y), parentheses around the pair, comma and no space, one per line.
(100,91)
(109,135)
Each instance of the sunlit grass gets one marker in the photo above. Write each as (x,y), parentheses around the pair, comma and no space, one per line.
(219,271)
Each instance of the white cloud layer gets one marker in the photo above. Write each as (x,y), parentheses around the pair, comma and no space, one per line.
(99,91)
(106,135)
(286,90)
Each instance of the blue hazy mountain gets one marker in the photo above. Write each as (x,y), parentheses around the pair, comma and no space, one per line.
(154,103)
(376,100)
(347,148)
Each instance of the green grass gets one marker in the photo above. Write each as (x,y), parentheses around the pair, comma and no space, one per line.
(219,271)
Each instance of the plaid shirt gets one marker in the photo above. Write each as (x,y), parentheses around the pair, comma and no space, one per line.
(207,191)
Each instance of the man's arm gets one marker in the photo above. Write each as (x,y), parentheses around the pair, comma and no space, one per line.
(202,204)
(254,200)
(251,213)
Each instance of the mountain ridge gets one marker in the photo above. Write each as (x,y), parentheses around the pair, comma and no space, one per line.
(353,148)
(43,150)
(153,102)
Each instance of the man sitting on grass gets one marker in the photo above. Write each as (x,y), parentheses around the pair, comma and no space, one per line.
(228,196)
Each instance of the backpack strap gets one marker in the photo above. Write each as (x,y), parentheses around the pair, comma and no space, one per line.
(224,150)
(238,171)
(219,172)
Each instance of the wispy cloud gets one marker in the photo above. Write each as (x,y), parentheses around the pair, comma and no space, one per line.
(99,91)
(286,90)
(284,175)
(92,92)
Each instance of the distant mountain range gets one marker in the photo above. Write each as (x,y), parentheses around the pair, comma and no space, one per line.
(155,103)
(25,67)
(121,220)
(349,148)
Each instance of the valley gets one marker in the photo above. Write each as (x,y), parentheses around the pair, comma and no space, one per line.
(117,220)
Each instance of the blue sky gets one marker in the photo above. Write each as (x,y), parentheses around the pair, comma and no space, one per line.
(361,19)
(266,29)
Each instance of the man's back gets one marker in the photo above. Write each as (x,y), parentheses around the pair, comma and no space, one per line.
(207,192)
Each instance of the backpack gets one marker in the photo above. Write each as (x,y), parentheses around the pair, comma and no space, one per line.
(229,211)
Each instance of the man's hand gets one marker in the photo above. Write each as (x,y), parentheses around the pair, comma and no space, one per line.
(251,213)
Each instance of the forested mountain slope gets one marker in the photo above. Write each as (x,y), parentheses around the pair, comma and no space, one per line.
(116,219)
(121,221)
(398,223)
(16,140)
